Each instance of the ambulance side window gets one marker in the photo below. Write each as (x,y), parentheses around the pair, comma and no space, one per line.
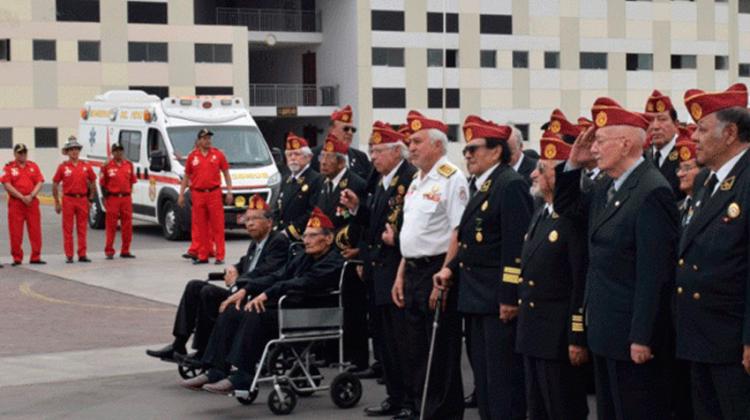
(155,141)
(131,142)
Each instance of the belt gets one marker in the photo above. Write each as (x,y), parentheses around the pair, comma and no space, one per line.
(119,194)
(76,195)
(425,261)
(206,190)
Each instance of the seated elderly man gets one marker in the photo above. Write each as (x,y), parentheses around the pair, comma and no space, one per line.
(200,301)
(240,335)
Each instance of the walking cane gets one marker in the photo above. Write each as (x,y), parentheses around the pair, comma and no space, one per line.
(435,325)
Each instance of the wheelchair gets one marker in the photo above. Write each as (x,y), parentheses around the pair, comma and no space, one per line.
(288,362)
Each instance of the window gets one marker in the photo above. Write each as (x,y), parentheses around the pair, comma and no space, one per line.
(451,58)
(131,144)
(391,57)
(160,91)
(45,137)
(635,62)
(744,70)
(213,53)
(551,59)
(147,12)
(452,133)
(435,22)
(214,90)
(388,98)
(721,62)
(524,129)
(488,58)
(4,50)
(744,6)
(387,20)
(148,51)
(435,98)
(593,60)
(88,50)
(520,59)
(6,137)
(684,61)
(44,50)
(496,24)
(434,58)
(77,10)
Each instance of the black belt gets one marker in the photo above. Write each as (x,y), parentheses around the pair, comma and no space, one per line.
(425,261)
(206,190)
(76,195)
(119,194)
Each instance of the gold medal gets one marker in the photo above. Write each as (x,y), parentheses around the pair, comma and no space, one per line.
(401,190)
(479,237)
(305,188)
(484,206)
(734,211)
(553,236)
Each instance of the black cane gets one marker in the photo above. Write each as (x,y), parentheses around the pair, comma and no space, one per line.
(435,325)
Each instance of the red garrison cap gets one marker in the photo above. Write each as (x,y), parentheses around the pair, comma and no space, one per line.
(334,145)
(701,103)
(344,114)
(559,124)
(475,127)
(318,219)
(383,133)
(293,142)
(606,112)
(257,203)
(658,102)
(418,122)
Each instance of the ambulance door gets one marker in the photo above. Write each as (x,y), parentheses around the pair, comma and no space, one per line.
(156,145)
(132,141)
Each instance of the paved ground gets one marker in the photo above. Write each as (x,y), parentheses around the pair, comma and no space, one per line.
(73,335)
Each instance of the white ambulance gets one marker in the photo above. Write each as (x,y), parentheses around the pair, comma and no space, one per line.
(157,136)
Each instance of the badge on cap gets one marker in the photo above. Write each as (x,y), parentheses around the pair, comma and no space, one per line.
(555,126)
(550,151)
(553,236)
(376,138)
(660,107)
(345,118)
(696,111)
(733,211)
(416,125)
(468,134)
(685,153)
(601,119)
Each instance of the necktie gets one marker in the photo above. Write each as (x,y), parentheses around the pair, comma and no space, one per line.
(250,257)
(472,187)
(657,158)
(710,185)
(328,187)
(611,192)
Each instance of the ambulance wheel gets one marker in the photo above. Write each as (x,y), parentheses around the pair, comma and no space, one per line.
(170,224)
(96,215)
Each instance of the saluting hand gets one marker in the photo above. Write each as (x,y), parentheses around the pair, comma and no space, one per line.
(580,154)
(578,355)
(640,354)
(257,304)
(389,235)
(349,199)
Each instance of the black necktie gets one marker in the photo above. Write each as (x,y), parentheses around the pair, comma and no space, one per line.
(611,192)
(328,187)
(250,256)
(657,158)
(710,185)
(472,187)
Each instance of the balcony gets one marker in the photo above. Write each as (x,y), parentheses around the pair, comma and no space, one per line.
(285,95)
(270,20)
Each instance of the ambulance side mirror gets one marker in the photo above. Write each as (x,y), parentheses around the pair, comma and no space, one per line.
(158,161)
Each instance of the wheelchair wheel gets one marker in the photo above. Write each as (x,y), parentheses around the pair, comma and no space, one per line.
(188,372)
(284,403)
(250,398)
(278,361)
(346,390)
(297,375)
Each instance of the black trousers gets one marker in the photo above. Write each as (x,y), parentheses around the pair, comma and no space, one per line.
(625,390)
(498,369)
(445,392)
(356,333)
(197,312)
(555,390)
(390,324)
(720,391)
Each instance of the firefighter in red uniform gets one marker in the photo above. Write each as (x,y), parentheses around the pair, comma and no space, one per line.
(77,180)
(23,180)
(203,170)
(116,179)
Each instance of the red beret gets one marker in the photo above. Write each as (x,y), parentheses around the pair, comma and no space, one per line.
(559,124)
(293,142)
(257,203)
(475,127)
(383,133)
(418,122)
(334,145)
(701,103)
(318,219)
(553,147)
(584,123)
(344,114)
(606,113)
(658,102)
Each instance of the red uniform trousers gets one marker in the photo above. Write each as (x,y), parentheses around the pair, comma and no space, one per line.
(18,214)
(207,221)
(118,209)
(195,243)
(74,208)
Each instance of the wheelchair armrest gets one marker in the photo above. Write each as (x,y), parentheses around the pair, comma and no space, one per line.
(216,276)
(307,300)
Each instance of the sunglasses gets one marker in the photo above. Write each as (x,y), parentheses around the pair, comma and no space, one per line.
(472,148)
(350,129)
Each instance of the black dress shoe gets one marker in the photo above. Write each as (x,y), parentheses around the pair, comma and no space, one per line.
(406,414)
(127,256)
(167,353)
(192,360)
(380,381)
(219,262)
(110,257)
(471,401)
(384,409)
(69,260)
(15,263)
(84,259)
(368,373)
(38,262)
(189,256)
(198,262)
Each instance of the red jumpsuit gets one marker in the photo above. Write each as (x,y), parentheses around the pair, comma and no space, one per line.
(117,178)
(75,203)
(24,178)
(204,173)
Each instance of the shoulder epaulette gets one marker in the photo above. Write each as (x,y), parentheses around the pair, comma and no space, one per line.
(446,170)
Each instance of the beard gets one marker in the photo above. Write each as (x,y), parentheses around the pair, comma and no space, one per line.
(535,191)
(294,167)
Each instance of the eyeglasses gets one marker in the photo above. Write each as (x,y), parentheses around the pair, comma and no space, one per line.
(686,167)
(472,148)
(350,128)
(600,141)
(311,235)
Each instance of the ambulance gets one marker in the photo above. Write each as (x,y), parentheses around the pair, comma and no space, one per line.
(157,136)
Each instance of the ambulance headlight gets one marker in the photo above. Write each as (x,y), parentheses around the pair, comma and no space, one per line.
(274,179)
(239,201)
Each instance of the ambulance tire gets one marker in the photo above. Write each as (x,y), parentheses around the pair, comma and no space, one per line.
(171,222)
(96,214)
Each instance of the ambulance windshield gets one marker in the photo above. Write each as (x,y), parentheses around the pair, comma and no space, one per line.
(243,146)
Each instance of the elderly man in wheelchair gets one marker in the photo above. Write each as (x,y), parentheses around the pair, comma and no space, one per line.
(243,329)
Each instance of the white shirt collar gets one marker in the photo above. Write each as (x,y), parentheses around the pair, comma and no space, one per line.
(433,172)
(386,181)
(295,176)
(621,180)
(549,207)
(479,181)
(665,150)
(727,167)
(338,177)
(517,166)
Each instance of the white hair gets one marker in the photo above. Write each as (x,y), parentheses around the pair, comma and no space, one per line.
(306,151)
(516,135)
(435,136)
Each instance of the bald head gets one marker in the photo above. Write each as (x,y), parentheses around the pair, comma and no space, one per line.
(617,148)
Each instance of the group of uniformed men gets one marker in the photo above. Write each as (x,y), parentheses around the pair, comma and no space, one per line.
(628,251)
